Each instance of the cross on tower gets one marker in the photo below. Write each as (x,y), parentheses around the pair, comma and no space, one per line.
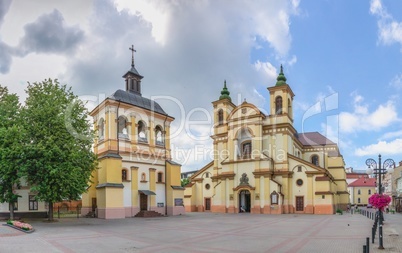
(132,55)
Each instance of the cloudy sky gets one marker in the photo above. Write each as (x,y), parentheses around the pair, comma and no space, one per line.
(343,60)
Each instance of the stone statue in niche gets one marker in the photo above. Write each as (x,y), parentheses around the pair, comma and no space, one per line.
(244,179)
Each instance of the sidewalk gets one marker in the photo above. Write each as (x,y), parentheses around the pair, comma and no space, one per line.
(206,232)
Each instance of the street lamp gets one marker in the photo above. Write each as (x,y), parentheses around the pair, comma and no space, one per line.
(372,169)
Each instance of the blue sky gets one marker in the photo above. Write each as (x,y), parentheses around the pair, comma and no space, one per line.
(341,58)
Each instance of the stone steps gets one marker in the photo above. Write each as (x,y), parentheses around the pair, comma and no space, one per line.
(148,214)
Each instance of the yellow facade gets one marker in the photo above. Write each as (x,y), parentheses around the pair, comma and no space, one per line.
(262,165)
(135,173)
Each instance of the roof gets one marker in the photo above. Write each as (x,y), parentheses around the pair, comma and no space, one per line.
(363,182)
(137,100)
(355,175)
(314,139)
(133,71)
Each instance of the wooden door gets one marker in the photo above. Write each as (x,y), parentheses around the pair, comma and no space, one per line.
(299,204)
(94,204)
(143,202)
(208,204)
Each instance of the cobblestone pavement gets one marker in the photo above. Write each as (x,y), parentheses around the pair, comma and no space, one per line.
(206,232)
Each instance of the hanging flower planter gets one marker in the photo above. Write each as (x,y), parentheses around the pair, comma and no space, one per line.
(380,201)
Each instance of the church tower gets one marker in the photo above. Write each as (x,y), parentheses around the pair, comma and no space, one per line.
(222,109)
(135,175)
(281,99)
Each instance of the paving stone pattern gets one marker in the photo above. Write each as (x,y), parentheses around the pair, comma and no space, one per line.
(206,232)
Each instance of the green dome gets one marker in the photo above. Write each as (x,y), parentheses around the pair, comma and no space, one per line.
(281,79)
(225,93)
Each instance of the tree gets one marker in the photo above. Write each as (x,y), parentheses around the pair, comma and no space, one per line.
(11,148)
(59,153)
(185,181)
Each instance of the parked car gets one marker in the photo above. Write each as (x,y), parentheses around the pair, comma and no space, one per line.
(369,206)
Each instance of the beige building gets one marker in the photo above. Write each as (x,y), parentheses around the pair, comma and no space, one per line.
(136,176)
(361,189)
(263,165)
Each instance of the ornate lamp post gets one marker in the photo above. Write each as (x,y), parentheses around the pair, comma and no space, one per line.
(372,169)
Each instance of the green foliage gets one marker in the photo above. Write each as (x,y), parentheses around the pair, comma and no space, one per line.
(11,147)
(339,211)
(59,157)
(185,181)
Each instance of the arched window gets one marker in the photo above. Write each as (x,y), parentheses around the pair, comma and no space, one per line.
(124,175)
(141,132)
(122,130)
(314,160)
(160,177)
(278,105)
(159,135)
(246,149)
(220,117)
(244,143)
(101,128)
(143,177)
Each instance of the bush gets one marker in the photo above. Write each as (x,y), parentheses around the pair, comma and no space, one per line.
(339,211)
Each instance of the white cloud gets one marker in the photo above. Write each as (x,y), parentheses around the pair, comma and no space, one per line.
(389,29)
(396,82)
(382,147)
(392,135)
(292,61)
(267,68)
(156,13)
(361,119)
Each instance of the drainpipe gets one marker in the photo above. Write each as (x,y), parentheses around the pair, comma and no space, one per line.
(117,129)
(164,146)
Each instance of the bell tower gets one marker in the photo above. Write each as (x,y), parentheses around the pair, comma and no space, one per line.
(281,98)
(133,78)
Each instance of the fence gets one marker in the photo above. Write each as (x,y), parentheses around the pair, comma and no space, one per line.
(68,212)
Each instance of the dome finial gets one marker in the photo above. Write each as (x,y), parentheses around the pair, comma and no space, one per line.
(281,79)
(225,92)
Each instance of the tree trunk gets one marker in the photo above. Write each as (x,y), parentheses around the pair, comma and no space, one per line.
(12,210)
(50,218)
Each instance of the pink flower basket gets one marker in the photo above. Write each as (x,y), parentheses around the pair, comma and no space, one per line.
(380,201)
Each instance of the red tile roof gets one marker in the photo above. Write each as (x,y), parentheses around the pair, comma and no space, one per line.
(363,182)
(314,139)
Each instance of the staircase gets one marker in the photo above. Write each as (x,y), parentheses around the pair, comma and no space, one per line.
(148,214)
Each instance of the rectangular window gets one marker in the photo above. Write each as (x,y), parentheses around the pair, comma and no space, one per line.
(33,203)
(160,175)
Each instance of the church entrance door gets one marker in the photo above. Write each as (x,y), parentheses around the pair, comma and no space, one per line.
(244,201)
(143,202)
(207,204)
(299,204)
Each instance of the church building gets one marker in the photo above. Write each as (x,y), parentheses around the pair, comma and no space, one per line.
(263,165)
(135,175)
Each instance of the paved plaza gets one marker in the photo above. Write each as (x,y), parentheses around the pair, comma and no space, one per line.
(205,232)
